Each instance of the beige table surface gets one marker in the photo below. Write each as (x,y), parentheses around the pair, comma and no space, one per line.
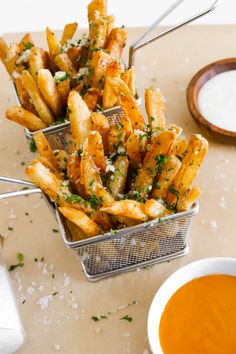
(65,325)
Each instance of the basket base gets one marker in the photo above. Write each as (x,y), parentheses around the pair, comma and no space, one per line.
(94,278)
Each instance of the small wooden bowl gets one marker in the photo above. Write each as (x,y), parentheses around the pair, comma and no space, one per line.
(199,79)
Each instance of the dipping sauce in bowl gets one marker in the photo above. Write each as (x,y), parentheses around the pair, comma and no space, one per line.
(200,318)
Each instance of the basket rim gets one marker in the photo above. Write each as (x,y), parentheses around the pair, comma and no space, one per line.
(122,232)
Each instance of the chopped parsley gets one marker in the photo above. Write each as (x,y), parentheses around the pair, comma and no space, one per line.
(22,163)
(99,107)
(79,152)
(55,293)
(96,318)
(10,228)
(32,146)
(174,191)
(161,160)
(55,230)
(27,46)
(74,198)
(157,185)
(94,201)
(20,258)
(127,318)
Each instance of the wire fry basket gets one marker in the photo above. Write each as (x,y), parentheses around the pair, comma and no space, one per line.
(132,247)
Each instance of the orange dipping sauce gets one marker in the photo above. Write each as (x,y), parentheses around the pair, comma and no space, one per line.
(200,318)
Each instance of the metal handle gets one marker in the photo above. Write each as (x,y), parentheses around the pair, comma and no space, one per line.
(32,188)
(139,43)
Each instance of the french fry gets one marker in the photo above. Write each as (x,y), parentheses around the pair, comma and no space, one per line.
(129,79)
(91,98)
(26,42)
(196,150)
(36,97)
(96,150)
(135,146)
(64,63)
(155,108)
(116,42)
(97,7)
(165,178)
(47,163)
(53,44)
(38,59)
(11,58)
(55,188)
(23,117)
(90,176)
(74,53)
(73,173)
(97,33)
(68,32)
(116,137)
(127,208)
(44,148)
(153,162)
(98,65)
(110,24)
(61,158)
(189,199)
(78,217)
(4,48)
(109,97)
(79,117)
(127,102)
(101,124)
(154,209)
(63,88)
(179,148)
(23,95)
(176,129)
(48,89)
(117,180)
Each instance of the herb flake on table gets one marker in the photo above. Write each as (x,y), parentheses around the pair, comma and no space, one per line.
(32,146)
(127,318)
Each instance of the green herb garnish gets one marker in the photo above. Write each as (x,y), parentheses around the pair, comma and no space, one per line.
(32,146)
(127,318)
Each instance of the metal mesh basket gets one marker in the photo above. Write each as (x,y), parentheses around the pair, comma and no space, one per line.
(132,247)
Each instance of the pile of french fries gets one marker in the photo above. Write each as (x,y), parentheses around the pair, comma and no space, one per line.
(44,78)
(119,174)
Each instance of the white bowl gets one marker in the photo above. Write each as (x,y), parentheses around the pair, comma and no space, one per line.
(220,265)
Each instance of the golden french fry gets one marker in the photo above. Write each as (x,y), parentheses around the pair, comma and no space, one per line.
(26,42)
(38,59)
(110,24)
(135,146)
(23,95)
(101,123)
(9,57)
(64,63)
(152,164)
(68,32)
(36,97)
(117,179)
(4,48)
(97,33)
(98,64)
(189,199)
(78,217)
(177,130)
(179,148)
(73,173)
(109,97)
(116,42)
(25,118)
(155,108)
(127,103)
(79,117)
(196,150)
(53,44)
(165,178)
(127,208)
(62,159)
(44,148)
(48,89)
(97,7)
(47,163)
(128,77)
(116,137)
(63,88)
(96,150)
(55,188)
(90,176)
(91,98)
(154,209)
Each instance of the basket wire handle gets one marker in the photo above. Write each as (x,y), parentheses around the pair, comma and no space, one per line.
(31,188)
(140,42)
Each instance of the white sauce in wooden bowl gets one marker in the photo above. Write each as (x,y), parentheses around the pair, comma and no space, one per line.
(217,100)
